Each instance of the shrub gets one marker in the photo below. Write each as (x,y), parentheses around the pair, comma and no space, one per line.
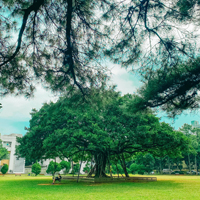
(137,168)
(53,168)
(118,169)
(133,168)
(4,169)
(65,165)
(141,172)
(36,168)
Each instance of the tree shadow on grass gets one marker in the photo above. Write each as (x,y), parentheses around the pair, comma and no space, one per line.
(160,184)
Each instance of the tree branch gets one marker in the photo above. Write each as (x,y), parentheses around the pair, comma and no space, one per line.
(34,7)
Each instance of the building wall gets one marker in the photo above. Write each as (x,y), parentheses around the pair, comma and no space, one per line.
(4,161)
(45,163)
(16,165)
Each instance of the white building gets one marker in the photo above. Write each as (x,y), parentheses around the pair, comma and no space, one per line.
(195,124)
(16,164)
(45,163)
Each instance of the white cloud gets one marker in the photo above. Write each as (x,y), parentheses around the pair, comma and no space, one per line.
(18,108)
(126,82)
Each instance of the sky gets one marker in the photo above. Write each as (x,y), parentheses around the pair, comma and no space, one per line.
(14,116)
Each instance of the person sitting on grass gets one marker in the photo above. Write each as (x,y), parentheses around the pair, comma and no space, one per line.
(57,178)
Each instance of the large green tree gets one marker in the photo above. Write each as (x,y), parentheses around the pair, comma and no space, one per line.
(104,129)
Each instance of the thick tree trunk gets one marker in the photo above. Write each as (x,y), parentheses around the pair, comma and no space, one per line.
(91,171)
(123,165)
(196,165)
(189,163)
(72,166)
(178,166)
(54,170)
(160,166)
(91,163)
(110,171)
(169,166)
(80,167)
(117,170)
(101,160)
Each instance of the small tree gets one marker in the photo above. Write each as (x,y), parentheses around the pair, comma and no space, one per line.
(65,165)
(4,169)
(86,169)
(36,168)
(134,168)
(76,168)
(53,168)
(141,169)
(117,169)
(3,151)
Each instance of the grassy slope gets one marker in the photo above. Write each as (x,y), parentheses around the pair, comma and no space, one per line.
(167,187)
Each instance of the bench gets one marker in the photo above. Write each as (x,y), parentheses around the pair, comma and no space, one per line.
(17,174)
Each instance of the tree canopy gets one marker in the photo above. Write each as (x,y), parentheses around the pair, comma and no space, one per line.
(104,130)
(173,91)
(61,43)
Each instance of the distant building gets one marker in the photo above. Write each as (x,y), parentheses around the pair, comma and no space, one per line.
(195,124)
(16,164)
(45,163)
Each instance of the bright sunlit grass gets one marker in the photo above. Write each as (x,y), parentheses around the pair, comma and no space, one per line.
(167,187)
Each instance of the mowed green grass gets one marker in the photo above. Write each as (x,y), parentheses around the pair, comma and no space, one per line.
(167,187)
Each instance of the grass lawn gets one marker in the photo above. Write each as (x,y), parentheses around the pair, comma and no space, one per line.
(167,187)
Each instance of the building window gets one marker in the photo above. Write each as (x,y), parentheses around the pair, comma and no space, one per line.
(7,144)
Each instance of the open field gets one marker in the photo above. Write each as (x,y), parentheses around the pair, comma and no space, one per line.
(167,187)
